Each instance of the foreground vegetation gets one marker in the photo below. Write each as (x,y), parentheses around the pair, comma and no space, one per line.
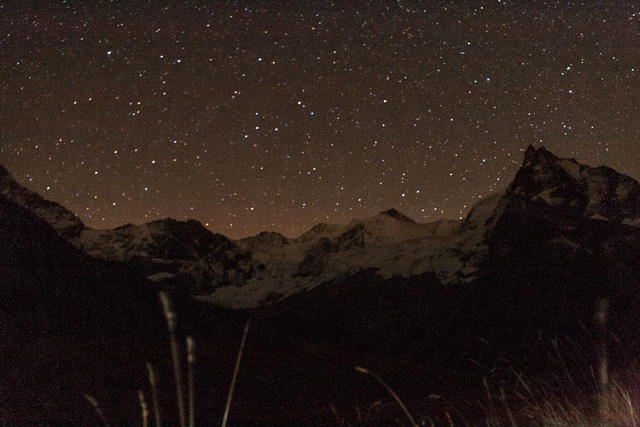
(506,396)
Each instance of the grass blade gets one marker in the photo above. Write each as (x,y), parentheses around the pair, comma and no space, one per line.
(235,372)
(170,314)
(97,409)
(143,408)
(190,379)
(154,393)
(393,393)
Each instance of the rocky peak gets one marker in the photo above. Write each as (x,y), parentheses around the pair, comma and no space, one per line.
(395,214)
(540,155)
(322,230)
(64,222)
(565,185)
(4,172)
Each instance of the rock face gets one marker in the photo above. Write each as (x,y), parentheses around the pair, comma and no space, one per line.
(577,190)
(553,205)
(178,252)
(181,253)
(525,266)
(558,205)
(66,224)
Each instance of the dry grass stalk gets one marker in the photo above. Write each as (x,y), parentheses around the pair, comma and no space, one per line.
(449,419)
(235,372)
(503,399)
(490,409)
(96,407)
(190,379)
(601,314)
(334,411)
(154,393)
(171,316)
(390,390)
(144,409)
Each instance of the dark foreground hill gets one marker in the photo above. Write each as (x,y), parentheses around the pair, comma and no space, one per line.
(67,320)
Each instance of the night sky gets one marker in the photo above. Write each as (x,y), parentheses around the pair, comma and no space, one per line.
(277,115)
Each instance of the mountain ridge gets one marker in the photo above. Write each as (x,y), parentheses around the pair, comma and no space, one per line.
(269,267)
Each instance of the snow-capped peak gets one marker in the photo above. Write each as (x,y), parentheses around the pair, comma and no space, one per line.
(268,267)
(577,190)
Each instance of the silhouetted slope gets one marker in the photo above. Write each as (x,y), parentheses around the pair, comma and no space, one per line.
(64,222)
(59,311)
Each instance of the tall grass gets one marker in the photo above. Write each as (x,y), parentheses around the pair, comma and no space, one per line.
(391,392)
(151,374)
(235,373)
(582,395)
(98,410)
(143,408)
(575,393)
(567,397)
(191,357)
(548,403)
(519,399)
(170,314)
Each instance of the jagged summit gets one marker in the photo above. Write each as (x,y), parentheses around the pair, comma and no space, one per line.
(395,214)
(320,230)
(574,189)
(170,225)
(547,191)
(539,155)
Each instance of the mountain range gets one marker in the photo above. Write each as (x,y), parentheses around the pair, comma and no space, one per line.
(527,265)
(269,267)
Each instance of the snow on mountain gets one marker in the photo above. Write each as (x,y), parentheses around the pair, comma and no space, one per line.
(178,253)
(455,251)
(269,267)
(389,242)
(264,241)
(171,250)
(164,239)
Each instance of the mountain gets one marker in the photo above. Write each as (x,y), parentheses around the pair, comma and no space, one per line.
(257,270)
(523,270)
(556,205)
(60,219)
(526,266)
(183,253)
(577,190)
(266,268)
(65,287)
(176,253)
(63,313)
(547,202)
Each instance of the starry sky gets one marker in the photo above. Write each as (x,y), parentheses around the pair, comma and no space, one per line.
(276,115)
